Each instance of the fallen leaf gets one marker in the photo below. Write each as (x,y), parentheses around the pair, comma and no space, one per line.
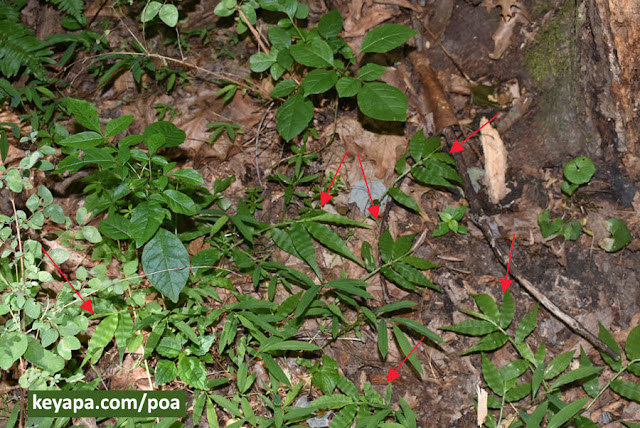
(495,161)
(483,410)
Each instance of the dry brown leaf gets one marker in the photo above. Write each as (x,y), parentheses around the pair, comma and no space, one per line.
(383,150)
(512,12)
(483,410)
(355,26)
(495,163)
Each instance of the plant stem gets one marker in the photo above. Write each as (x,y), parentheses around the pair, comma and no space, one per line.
(622,370)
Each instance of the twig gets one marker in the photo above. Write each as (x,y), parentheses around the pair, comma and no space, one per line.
(491,233)
(255,33)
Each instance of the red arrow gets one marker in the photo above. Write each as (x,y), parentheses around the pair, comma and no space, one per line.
(393,374)
(506,282)
(457,147)
(325,196)
(373,209)
(86,304)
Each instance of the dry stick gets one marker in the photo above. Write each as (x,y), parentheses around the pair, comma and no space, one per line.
(255,33)
(491,233)
(264,116)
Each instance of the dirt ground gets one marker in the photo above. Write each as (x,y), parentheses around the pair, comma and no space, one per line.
(547,119)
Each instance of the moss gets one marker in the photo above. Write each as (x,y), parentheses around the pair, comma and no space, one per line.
(551,53)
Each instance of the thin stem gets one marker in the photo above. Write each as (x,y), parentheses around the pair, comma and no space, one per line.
(622,370)
(15,214)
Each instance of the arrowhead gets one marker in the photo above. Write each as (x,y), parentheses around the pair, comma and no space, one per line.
(374,210)
(505,283)
(87,306)
(457,147)
(324,198)
(392,374)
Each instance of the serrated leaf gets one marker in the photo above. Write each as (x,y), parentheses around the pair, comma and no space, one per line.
(319,81)
(293,116)
(12,346)
(385,38)
(82,140)
(166,372)
(370,72)
(165,261)
(192,372)
(348,87)
(330,24)
(117,125)
(331,240)
(566,413)
(317,54)
(85,113)
(283,88)
(406,348)
(179,202)
(398,279)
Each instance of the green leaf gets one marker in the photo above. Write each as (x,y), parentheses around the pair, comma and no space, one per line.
(179,202)
(304,246)
(627,389)
(354,287)
(85,113)
(145,221)
(331,240)
(507,310)
(91,234)
(165,261)
(44,359)
(418,262)
(385,246)
(117,125)
(101,337)
(383,338)
(632,347)
(370,72)
(472,327)
(579,170)
(403,199)
(566,413)
(620,236)
(307,298)
(536,380)
(82,140)
(488,343)
(413,275)
(188,176)
(527,325)
(335,219)
(574,375)
(398,279)
(166,372)
(396,306)
(558,365)
(289,345)
(330,24)
(419,328)
(382,102)
(124,331)
(12,346)
(331,401)
(274,369)
(192,372)
(279,37)
(317,54)
(173,136)
(367,255)
(492,376)
(513,370)
(610,341)
(487,305)
(261,61)
(293,116)
(348,87)
(386,37)
(169,14)
(421,147)
(406,348)
(283,89)
(319,81)
(344,418)
(150,11)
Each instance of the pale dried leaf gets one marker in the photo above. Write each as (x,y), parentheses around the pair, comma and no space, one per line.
(495,159)
(483,410)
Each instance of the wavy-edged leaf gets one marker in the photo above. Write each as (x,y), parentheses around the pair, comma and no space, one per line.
(418,262)
(382,102)
(610,341)
(415,276)
(574,375)
(403,199)
(165,261)
(331,401)
(307,298)
(354,287)
(289,345)
(319,81)
(398,279)
(558,365)
(385,246)
(492,376)
(123,333)
(344,418)
(293,116)
(85,113)
(83,140)
(632,347)
(317,54)
(179,203)
(627,389)
(145,221)
(487,305)
(507,309)
(383,338)
(12,346)
(395,306)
